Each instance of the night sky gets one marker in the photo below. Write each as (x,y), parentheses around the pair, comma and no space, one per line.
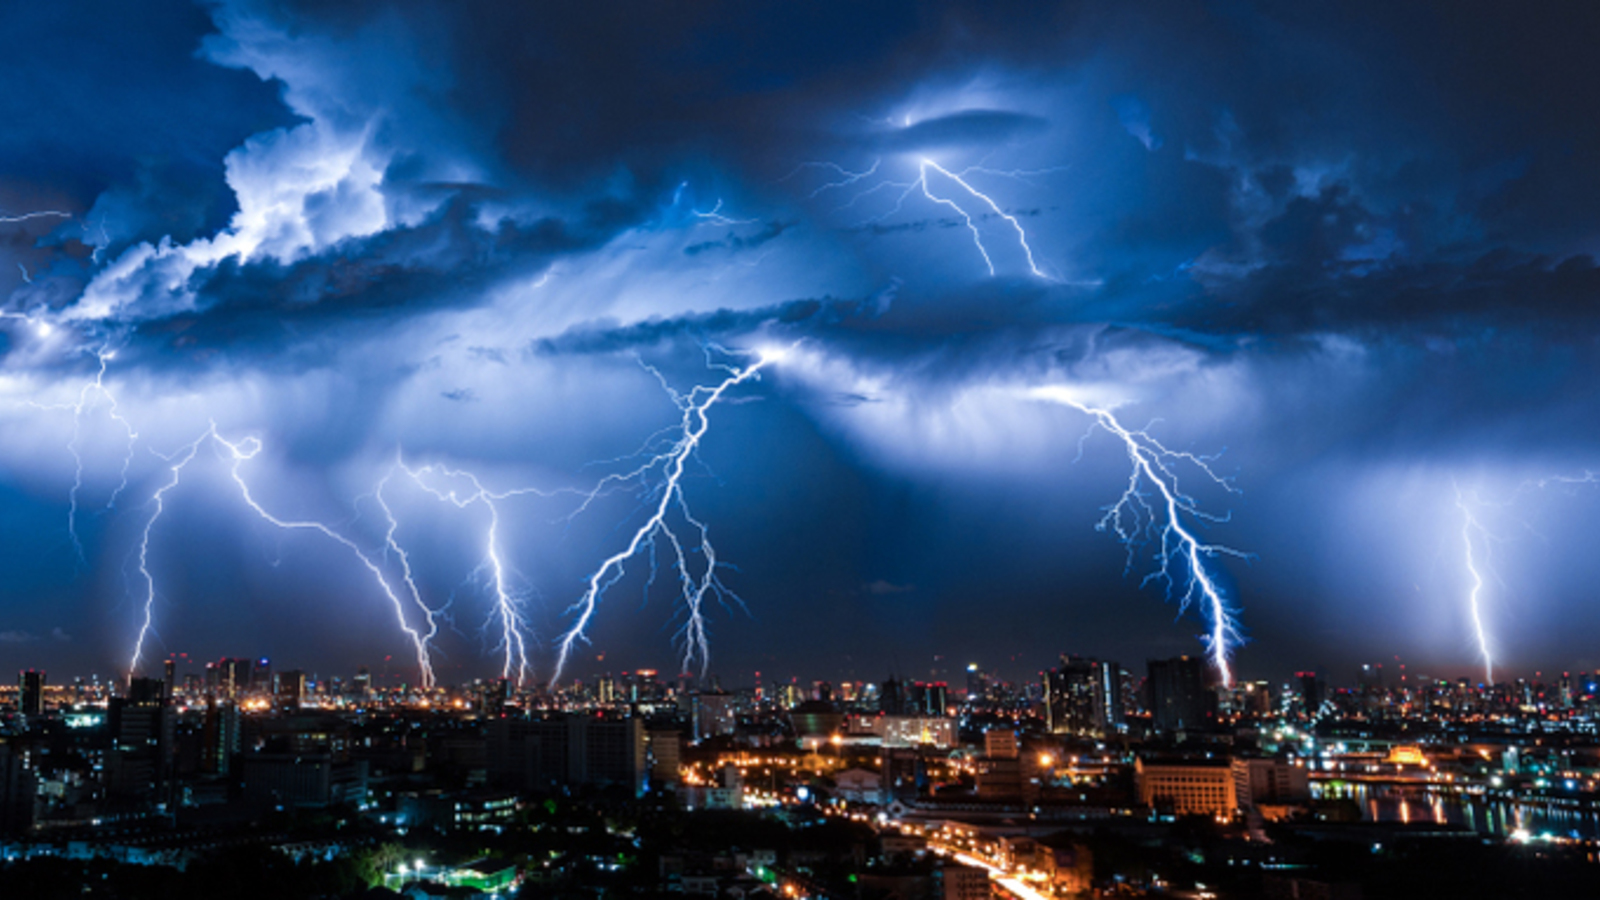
(1343,251)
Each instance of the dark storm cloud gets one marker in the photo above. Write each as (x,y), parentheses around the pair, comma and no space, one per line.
(793,319)
(1376,217)
(968,129)
(107,106)
(447,260)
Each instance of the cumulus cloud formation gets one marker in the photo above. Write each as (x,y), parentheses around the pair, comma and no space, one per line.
(508,239)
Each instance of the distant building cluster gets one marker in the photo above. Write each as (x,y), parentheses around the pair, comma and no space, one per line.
(1084,742)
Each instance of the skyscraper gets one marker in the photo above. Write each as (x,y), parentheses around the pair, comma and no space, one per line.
(30,686)
(291,689)
(1178,693)
(139,765)
(1084,697)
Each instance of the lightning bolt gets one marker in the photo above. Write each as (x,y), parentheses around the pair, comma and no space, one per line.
(923,185)
(238,453)
(513,626)
(667,465)
(87,397)
(1476,552)
(972,226)
(1470,524)
(1183,561)
(29,216)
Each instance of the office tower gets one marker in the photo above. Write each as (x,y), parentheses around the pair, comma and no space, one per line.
(140,763)
(1084,697)
(1178,693)
(30,685)
(291,689)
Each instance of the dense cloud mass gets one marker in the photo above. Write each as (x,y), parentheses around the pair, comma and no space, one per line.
(413,279)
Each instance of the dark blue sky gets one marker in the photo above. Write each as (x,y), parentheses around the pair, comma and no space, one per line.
(1342,251)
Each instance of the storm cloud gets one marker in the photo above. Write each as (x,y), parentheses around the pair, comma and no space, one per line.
(1349,248)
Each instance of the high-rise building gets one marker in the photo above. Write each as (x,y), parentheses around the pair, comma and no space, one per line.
(891,698)
(1178,693)
(977,684)
(1312,691)
(140,763)
(18,790)
(666,755)
(228,677)
(926,698)
(1084,697)
(291,689)
(361,685)
(713,714)
(261,677)
(219,737)
(30,685)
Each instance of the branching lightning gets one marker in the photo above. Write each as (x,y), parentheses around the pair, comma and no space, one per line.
(1139,519)
(921,184)
(663,472)
(87,397)
(236,454)
(507,603)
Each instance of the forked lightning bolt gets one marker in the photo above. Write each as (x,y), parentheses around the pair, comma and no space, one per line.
(237,453)
(667,494)
(507,604)
(921,184)
(1137,519)
(92,392)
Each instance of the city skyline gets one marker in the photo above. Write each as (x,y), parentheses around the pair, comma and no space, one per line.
(810,340)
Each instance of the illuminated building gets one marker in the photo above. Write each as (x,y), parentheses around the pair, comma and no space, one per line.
(219,737)
(1084,697)
(713,714)
(977,684)
(927,699)
(666,755)
(907,731)
(1188,787)
(958,882)
(999,770)
(1260,782)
